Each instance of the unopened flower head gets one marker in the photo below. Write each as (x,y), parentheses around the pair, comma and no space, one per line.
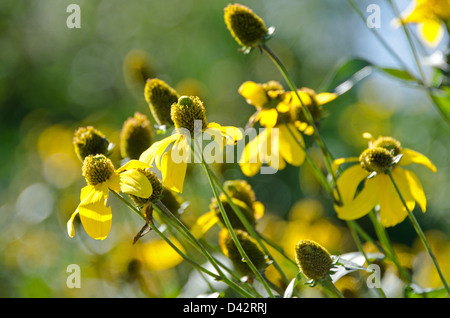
(90,141)
(241,190)
(309,100)
(186,111)
(97,169)
(313,259)
(157,187)
(135,136)
(160,97)
(388,143)
(249,245)
(245,26)
(236,223)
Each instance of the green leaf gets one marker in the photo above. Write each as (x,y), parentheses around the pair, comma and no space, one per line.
(400,74)
(293,283)
(347,74)
(441,97)
(415,291)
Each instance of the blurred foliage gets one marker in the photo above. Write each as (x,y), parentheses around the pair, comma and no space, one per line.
(54,79)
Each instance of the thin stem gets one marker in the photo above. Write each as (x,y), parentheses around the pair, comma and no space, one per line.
(420,233)
(330,288)
(385,241)
(184,256)
(233,234)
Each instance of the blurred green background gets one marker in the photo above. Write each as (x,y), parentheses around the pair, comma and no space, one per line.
(54,79)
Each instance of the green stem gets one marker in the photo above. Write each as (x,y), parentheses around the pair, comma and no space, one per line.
(232,232)
(330,288)
(154,228)
(420,233)
(385,241)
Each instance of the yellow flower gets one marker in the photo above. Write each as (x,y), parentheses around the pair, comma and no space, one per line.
(383,154)
(272,146)
(429,14)
(172,154)
(101,176)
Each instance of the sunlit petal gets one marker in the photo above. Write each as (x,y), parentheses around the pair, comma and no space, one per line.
(253,93)
(323,98)
(268,118)
(133,164)
(135,183)
(174,165)
(431,32)
(291,145)
(364,202)
(416,189)
(411,156)
(70,227)
(96,219)
(204,223)
(349,181)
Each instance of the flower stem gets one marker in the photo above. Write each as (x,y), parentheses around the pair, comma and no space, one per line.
(420,233)
(222,277)
(386,243)
(330,288)
(233,234)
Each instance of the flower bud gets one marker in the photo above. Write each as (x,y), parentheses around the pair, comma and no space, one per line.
(313,260)
(245,27)
(389,143)
(232,217)
(90,141)
(135,136)
(249,245)
(241,190)
(186,111)
(160,97)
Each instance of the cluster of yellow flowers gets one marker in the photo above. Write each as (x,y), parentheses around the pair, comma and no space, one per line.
(378,182)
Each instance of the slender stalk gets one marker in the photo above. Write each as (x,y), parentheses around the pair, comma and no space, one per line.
(154,228)
(420,233)
(233,234)
(222,277)
(385,241)
(330,288)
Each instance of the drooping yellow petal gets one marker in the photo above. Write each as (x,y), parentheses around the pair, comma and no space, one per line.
(253,93)
(290,141)
(431,32)
(349,181)
(174,165)
(249,161)
(133,164)
(364,202)
(392,210)
(269,149)
(156,150)
(70,227)
(416,189)
(323,98)
(268,118)
(411,156)
(135,183)
(204,223)
(93,194)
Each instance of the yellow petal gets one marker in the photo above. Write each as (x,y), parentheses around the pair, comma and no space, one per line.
(269,149)
(96,219)
(349,181)
(133,164)
(338,162)
(70,227)
(416,190)
(204,223)
(268,118)
(249,160)
(364,202)
(174,172)
(156,150)
(93,194)
(258,210)
(431,32)
(290,141)
(158,255)
(253,93)
(392,211)
(135,183)
(323,98)
(231,133)
(411,156)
